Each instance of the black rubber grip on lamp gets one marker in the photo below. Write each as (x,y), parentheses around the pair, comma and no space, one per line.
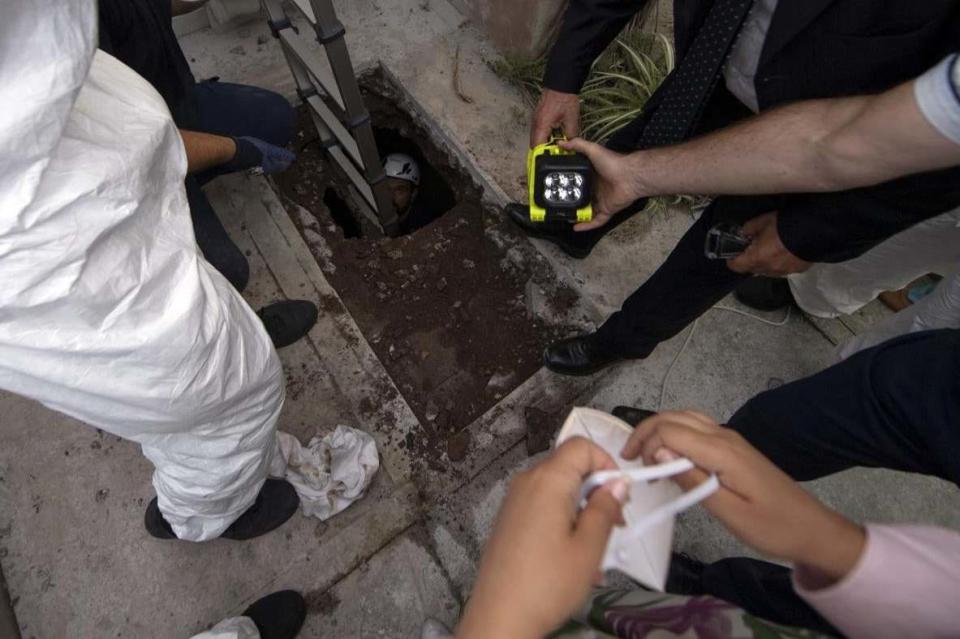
(357,121)
(309,92)
(328,33)
(276,26)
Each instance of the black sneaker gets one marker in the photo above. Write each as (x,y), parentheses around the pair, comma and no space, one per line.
(288,321)
(279,615)
(276,503)
(632,416)
(683,578)
(764,293)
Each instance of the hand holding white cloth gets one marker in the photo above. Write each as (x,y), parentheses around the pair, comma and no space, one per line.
(640,548)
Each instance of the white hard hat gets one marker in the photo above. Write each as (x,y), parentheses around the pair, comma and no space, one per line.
(402,167)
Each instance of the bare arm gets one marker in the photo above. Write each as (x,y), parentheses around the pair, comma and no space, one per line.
(819,145)
(205,150)
(179,7)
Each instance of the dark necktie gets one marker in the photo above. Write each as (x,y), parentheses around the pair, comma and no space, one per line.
(694,79)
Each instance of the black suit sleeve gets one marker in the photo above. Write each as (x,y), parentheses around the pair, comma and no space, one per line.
(588,27)
(835,227)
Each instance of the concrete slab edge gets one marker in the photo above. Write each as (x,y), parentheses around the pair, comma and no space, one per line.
(493,194)
(361,377)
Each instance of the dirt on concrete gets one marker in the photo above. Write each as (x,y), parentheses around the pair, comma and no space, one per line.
(541,428)
(444,308)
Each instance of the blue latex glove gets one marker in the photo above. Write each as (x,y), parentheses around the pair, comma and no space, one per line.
(253,152)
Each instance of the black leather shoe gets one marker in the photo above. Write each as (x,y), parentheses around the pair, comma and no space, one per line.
(631,415)
(764,293)
(683,578)
(276,503)
(559,233)
(279,615)
(578,356)
(288,321)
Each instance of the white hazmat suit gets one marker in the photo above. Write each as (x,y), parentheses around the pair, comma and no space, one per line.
(108,312)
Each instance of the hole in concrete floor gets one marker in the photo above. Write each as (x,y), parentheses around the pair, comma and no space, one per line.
(433,197)
(428,201)
(341,214)
(444,308)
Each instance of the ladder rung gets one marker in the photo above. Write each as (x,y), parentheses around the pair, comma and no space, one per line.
(330,120)
(332,146)
(358,180)
(314,64)
(306,10)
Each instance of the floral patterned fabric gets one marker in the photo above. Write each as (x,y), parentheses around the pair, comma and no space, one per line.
(641,614)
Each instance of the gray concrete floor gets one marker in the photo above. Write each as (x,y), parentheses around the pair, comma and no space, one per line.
(72,546)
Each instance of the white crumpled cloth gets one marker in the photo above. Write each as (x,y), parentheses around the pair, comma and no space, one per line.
(232,628)
(329,473)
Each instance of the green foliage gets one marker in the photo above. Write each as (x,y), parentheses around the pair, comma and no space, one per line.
(523,72)
(621,80)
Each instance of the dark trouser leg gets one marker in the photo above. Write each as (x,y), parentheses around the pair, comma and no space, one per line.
(895,406)
(682,289)
(764,590)
(212,238)
(239,110)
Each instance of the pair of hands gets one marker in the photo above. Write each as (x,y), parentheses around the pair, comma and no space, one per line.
(543,555)
(617,187)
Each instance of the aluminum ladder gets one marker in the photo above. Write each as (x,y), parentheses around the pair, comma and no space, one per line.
(342,119)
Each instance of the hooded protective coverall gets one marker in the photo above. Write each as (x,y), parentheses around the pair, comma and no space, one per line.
(108,313)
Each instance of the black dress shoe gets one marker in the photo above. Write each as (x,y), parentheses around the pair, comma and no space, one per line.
(578,356)
(764,293)
(631,415)
(276,503)
(288,321)
(683,578)
(576,245)
(279,615)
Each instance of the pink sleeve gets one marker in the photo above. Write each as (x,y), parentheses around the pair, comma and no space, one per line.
(906,584)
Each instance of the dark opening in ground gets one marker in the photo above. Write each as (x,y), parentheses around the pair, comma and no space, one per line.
(341,214)
(433,198)
(444,309)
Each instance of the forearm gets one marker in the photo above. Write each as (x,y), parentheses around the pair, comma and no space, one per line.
(904,585)
(785,150)
(179,7)
(831,548)
(812,146)
(494,619)
(205,150)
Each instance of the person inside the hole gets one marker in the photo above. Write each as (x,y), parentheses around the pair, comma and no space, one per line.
(403,178)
